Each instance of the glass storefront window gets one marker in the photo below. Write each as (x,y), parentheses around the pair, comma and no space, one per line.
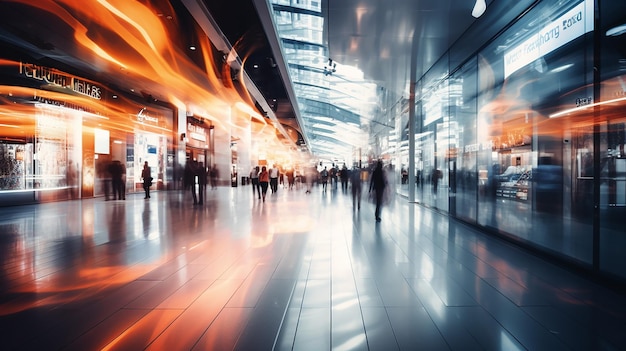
(534,69)
(435,139)
(464,178)
(612,140)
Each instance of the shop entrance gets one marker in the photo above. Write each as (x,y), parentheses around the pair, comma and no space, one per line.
(197,159)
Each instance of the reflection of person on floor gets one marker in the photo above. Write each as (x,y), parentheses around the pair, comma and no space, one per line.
(147,179)
(378,183)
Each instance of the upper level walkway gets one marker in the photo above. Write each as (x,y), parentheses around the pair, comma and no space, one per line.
(298,271)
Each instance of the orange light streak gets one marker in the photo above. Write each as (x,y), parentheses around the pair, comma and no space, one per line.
(137,47)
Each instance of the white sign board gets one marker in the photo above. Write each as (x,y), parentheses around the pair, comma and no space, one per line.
(566,28)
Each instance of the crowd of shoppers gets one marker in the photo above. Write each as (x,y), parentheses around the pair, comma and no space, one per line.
(264,179)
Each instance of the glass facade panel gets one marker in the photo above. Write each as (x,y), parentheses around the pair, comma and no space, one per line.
(496,146)
(464,178)
(532,71)
(435,138)
(612,134)
(330,96)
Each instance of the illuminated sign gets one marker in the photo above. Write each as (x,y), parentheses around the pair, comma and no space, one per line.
(142,116)
(56,78)
(196,132)
(566,28)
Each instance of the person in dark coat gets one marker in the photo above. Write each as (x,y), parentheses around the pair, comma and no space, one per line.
(355,180)
(189,180)
(117,171)
(202,181)
(378,184)
(147,179)
(344,175)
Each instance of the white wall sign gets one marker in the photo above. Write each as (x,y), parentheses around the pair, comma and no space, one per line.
(566,28)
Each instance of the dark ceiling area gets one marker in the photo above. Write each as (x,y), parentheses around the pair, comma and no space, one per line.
(239,22)
(392,44)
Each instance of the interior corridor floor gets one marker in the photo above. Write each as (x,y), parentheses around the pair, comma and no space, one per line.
(296,272)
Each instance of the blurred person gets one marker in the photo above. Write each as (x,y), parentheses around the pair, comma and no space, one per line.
(72,183)
(291,178)
(378,184)
(344,175)
(105,171)
(146,176)
(333,177)
(274,174)
(189,180)
(434,179)
(214,176)
(264,181)
(324,178)
(117,170)
(405,175)
(254,178)
(355,180)
(202,174)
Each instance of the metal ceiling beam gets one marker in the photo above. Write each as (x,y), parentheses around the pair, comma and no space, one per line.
(263,8)
(202,16)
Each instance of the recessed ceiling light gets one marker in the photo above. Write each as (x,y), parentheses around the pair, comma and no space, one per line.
(561,68)
(192,47)
(615,31)
(479,8)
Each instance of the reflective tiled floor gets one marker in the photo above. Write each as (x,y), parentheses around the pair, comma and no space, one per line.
(300,271)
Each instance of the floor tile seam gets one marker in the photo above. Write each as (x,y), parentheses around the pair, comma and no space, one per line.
(472,254)
(100,323)
(103,317)
(107,283)
(156,337)
(157,308)
(285,312)
(498,322)
(521,310)
(357,293)
(576,321)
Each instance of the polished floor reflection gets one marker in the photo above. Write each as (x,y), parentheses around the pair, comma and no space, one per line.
(297,272)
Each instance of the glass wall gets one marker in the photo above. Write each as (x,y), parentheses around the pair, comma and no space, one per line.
(526,139)
(611,129)
(436,138)
(522,84)
(464,177)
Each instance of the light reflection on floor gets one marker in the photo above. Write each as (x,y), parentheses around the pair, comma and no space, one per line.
(300,271)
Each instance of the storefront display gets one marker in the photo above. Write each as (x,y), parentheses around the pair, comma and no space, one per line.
(65,130)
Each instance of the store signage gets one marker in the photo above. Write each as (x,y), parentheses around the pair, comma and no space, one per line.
(566,28)
(54,77)
(196,132)
(143,116)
